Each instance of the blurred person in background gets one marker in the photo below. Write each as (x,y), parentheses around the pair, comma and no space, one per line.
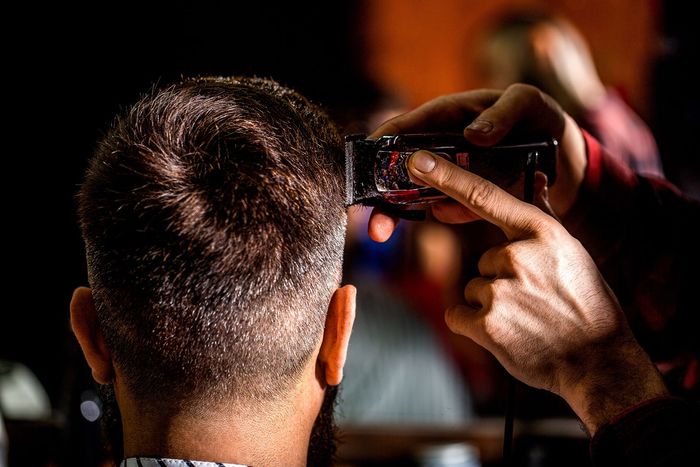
(550,53)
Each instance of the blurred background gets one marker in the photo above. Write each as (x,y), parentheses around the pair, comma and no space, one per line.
(69,69)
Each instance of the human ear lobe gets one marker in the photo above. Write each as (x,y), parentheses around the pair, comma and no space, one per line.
(84,324)
(336,335)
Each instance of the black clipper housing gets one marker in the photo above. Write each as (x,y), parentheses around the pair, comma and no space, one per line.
(376,173)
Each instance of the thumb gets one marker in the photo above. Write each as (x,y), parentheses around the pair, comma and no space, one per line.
(516,218)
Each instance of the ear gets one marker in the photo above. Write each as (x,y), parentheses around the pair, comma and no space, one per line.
(336,335)
(84,323)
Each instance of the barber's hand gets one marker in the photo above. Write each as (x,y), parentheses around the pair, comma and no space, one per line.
(541,306)
(489,116)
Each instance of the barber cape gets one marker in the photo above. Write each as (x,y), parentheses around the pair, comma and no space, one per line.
(163,462)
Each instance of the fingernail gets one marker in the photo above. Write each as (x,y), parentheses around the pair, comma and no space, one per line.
(423,161)
(482,126)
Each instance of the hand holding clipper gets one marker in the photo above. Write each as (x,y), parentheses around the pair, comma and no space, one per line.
(376,173)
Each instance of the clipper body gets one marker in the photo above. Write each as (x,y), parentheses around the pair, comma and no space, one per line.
(376,173)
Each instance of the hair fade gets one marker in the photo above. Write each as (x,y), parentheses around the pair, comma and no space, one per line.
(213,218)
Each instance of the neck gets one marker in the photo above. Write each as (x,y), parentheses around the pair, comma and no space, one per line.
(271,433)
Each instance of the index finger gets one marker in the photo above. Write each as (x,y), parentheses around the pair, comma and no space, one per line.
(516,218)
(446,113)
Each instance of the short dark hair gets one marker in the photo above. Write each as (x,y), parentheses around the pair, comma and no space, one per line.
(213,218)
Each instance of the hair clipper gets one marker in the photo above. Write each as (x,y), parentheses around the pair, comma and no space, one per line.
(376,172)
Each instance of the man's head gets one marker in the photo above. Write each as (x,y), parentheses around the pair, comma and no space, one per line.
(213,218)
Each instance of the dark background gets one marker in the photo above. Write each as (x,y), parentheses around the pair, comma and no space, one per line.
(675,94)
(69,69)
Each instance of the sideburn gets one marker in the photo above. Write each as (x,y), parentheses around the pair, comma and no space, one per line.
(323,442)
(111,421)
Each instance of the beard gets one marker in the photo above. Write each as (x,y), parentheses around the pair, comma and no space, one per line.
(111,421)
(322,443)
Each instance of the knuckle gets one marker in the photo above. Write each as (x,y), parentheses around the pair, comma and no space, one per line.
(484,263)
(474,292)
(444,100)
(470,288)
(454,317)
(494,329)
(548,228)
(496,290)
(478,194)
(537,223)
(445,175)
(511,255)
(531,95)
(527,90)
(472,190)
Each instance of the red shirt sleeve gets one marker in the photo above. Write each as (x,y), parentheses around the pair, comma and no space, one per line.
(623,133)
(662,432)
(644,236)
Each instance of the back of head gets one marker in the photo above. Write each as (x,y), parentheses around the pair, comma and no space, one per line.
(213,218)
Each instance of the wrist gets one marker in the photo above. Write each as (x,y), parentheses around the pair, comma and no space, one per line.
(621,380)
